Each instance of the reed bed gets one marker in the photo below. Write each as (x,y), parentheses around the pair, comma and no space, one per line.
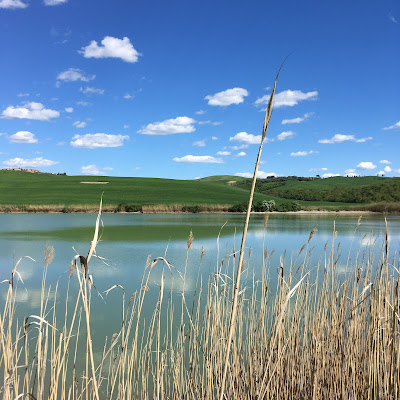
(329,330)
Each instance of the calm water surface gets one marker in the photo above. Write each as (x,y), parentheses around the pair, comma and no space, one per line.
(128,239)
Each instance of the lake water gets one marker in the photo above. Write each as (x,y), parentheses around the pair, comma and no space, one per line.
(128,239)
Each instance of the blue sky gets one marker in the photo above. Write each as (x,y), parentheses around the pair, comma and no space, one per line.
(177,89)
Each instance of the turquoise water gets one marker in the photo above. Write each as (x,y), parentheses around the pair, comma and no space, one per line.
(128,239)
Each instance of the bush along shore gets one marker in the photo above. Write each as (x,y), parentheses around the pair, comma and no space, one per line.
(261,206)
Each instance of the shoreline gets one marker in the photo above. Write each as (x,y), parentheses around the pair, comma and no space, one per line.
(301,212)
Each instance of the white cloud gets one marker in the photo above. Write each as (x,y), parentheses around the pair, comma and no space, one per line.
(387,169)
(54,2)
(241,154)
(395,126)
(200,112)
(79,124)
(351,173)
(126,126)
(247,138)
(384,162)
(227,97)
(214,123)
(287,98)
(214,138)
(30,110)
(69,109)
(200,143)
(330,175)
(366,165)
(296,120)
(397,171)
(285,135)
(128,96)
(23,94)
(303,153)
(224,153)
(91,90)
(94,170)
(83,103)
(95,140)
(169,127)
(73,75)
(198,159)
(23,137)
(339,138)
(12,4)
(242,146)
(318,169)
(111,47)
(393,19)
(29,163)
(260,174)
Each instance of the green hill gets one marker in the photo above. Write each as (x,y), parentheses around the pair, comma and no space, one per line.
(24,188)
(21,189)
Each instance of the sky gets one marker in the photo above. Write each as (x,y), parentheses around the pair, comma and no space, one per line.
(177,89)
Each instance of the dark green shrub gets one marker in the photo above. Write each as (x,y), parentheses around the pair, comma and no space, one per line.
(123,207)
(241,207)
(192,209)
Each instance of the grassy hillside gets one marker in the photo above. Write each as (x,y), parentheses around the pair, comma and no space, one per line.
(22,188)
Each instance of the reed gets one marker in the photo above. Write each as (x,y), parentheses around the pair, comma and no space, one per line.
(330,330)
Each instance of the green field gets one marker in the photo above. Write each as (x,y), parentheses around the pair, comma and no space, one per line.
(23,189)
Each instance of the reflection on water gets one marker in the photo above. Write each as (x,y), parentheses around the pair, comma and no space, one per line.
(128,239)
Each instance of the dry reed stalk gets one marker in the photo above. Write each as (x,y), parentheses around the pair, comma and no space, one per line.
(232,323)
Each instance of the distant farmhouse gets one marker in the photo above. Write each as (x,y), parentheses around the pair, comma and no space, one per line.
(33,171)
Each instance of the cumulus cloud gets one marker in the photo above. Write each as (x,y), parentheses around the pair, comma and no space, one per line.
(91,90)
(214,123)
(12,4)
(227,97)
(366,165)
(169,127)
(96,140)
(285,135)
(339,138)
(330,175)
(260,174)
(79,124)
(29,163)
(111,47)
(23,137)
(69,109)
(241,154)
(200,112)
(93,169)
(224,153)
(287,98)
(54,2)
(303,153)
(22,94)
(83,103)
(296,120)
(242,146)
(128,96)
(387,169)
(395,126)
(200,143)
(73,75)
(351,173)
(198,159)
(384,162)
(30,110)
(318,169)
(247,138)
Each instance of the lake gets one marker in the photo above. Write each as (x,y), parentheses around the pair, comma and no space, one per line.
(128,239)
